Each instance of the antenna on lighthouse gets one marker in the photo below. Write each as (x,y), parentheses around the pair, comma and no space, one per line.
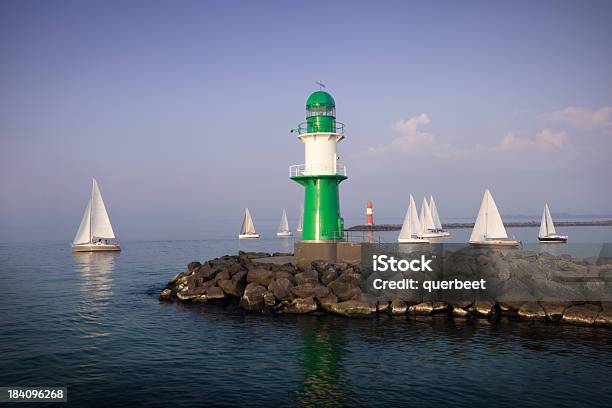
(321,85)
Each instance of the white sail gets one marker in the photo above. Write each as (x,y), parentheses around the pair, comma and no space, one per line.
(83,235)
(247,224)
(100,223)
(434,213)
(284,225)
(488,223)
(543,230)
(406,231)
(550,226)
(425,218)
(547,227)
(417,228)
(95,222)
(301,220)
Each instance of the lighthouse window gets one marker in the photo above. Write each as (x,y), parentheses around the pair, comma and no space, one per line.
(321,111)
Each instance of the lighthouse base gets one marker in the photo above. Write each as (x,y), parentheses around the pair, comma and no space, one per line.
(338,251)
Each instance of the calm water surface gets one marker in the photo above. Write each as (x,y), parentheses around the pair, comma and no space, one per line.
(92,322)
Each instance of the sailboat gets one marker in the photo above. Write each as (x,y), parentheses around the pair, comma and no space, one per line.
(547,229)
(427,222)
(248,229)
(283,228)
(489,228)
(95,232)
(411,228)
(437,230)
(300,226)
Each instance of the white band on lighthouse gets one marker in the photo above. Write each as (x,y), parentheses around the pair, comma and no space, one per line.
(320,155)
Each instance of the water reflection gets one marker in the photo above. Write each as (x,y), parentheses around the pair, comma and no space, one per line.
(324,346)
(96,270)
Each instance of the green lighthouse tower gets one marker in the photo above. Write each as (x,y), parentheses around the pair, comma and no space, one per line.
(321,173)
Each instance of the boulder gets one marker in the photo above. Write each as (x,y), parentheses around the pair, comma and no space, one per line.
(252,299)
(215,293)
(383,306)
(344,291)
(205,271)
(186,296)
(285,274)
(200,299)
(260,276)
(301,306)
(485,308)
(281,288)
(581,314)
(175,279)
(531,311)
(424,308)
(398,307)
(231,287)
(328,300)
(192,266)
(222,275)
(329,275)
(310,290)
(235,268)
(247,256)
(439,307)
(240,276)
(165,294)
(351,308)
(320,265)
(459,312)
(554,309)
(307,277)
(269,300)
(350,276)
(604,318)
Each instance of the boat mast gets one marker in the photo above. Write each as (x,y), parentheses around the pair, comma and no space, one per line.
(93,184)
(487,215)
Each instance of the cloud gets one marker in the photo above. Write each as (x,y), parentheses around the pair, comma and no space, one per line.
(545,139)
(410,137)
(411,140)
(580,117)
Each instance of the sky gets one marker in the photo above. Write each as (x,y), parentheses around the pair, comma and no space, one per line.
(182,110)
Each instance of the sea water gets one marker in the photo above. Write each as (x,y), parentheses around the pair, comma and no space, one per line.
(93,323)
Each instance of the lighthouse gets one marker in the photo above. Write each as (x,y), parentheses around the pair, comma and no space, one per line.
(321,174)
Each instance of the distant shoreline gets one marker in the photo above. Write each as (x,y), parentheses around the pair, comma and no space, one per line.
(456,225)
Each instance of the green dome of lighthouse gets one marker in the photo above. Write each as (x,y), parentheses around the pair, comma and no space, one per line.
(320,99)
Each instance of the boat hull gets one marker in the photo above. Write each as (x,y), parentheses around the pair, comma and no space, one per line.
(248,236)
(496,243)
(95,247)
(412,241)
(284,234)
(554,238)
(439,234)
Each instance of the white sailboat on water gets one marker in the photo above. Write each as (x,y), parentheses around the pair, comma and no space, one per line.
(411,228)
(283,228)
(95,232)
(428,228)
(489,228)
(248,229)
(300,225)
(437,230)
(547,228)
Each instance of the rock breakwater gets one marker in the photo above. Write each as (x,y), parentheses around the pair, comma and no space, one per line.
(273,287)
